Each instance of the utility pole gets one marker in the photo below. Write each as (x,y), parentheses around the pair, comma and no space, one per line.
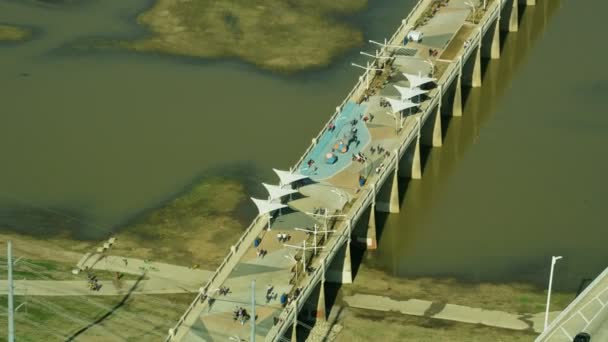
(11,311)
(253,311)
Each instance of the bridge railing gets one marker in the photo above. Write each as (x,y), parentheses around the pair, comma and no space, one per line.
(210,282)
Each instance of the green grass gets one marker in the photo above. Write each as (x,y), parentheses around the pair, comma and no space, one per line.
(279,35)
(31,269)
(367,325)
(139,318)
(13,33)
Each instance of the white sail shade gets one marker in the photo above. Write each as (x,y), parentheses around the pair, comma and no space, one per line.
(277,192)
(418,80)
(408,93)
(287,177)
(398,105)
(267,206)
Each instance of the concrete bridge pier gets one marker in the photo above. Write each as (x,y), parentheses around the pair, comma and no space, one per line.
(321,305)
(457,100)
(409,165)
(431,134)
(371,240)
(294,329)
(388,198)
(491,41)
(472,68)
(341,271)
(510,11)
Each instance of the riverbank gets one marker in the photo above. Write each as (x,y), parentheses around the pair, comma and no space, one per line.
(13,33)
(194,228)
(356,324)
(519,298)
(277,35)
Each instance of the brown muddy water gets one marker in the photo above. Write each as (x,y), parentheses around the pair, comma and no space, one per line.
(102,135)
(521,176)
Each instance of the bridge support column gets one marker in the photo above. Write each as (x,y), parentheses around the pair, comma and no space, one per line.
(347,271)
(457,102)
(321,315)
(390,189)
(511,10)
(491,47)
(431,135)
(528,2)
(410,166)
(475,78)
(371,238)
(294,331)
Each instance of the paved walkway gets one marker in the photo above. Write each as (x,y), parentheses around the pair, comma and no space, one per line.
(80,288)
(451,312)
(172,274)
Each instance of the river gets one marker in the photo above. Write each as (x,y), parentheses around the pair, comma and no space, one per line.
(103,135)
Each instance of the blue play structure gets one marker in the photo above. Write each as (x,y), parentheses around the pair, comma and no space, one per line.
(335,148)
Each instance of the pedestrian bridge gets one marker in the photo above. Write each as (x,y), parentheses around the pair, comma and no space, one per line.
(326,206)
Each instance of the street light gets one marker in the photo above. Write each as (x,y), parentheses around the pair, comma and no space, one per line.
(553,261)
(315,232)
(367,69)
(303,248)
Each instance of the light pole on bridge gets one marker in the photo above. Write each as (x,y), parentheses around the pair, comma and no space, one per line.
(553,261)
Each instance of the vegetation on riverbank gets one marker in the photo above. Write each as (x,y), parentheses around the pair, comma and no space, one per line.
(369,325)
(95,318)
(278,35)
(510,297)
(13,33)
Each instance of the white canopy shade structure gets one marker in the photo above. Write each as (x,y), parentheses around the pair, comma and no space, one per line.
(418,80)
(408,93)
(398,105)
(276,192)
(267,206)
(287,177)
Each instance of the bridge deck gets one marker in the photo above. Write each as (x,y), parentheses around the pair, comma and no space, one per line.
(336,187)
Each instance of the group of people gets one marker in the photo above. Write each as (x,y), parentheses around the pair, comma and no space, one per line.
(380,150)
(261,253)
(93,282)
(286,299)
(270,295)
(433,52)
(360,157)
(223,290)
(241,315)
(283,237)
(319,211)
(384,103)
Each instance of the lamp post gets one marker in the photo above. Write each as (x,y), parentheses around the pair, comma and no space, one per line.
(367,68)
(315,232)
(553,261)
(303,248)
